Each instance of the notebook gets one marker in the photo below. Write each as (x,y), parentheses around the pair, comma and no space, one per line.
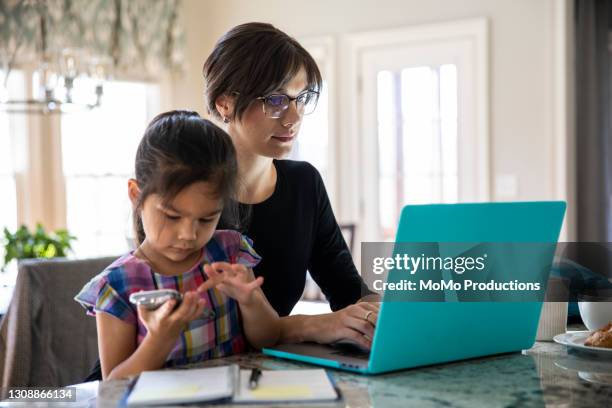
(230,383)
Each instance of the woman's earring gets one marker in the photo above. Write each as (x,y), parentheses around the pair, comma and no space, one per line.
(225,119)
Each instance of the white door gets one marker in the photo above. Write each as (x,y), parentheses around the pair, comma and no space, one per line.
(421,119)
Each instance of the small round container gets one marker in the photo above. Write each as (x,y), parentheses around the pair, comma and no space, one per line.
(595,308)
(553,318)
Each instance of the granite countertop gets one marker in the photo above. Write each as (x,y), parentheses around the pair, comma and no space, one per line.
(548,375)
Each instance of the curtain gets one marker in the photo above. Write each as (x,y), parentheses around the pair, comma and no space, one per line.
(593,134)
(140,38)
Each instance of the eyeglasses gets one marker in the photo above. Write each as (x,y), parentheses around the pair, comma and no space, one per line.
(275,105)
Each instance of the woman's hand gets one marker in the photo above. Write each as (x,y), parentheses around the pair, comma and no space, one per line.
(165,323)
(234,280)
(354,324)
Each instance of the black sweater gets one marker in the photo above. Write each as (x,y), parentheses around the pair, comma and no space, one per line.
(295,230)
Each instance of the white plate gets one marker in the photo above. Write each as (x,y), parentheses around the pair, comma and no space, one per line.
(576,340)
(588,364)
(605,379)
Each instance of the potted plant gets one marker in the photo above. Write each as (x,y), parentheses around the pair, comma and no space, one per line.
(24,244)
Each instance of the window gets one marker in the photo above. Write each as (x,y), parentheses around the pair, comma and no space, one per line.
(8,204)
(314,143)
(12,142)
(422,119)
(98,151)
(417,140)
(13,134)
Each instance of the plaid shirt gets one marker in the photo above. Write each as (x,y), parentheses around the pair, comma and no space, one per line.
(204,338)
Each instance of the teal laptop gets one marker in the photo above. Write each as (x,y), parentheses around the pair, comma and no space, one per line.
(417,333)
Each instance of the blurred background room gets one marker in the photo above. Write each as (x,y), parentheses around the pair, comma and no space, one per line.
(423,102)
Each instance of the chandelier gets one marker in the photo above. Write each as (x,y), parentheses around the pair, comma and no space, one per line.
(58,70)
(65,81)
(67,49)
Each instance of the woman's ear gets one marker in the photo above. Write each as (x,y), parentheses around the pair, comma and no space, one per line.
(133,192)
(225,106)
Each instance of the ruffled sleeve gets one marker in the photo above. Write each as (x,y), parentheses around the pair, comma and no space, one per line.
(105,294)
(238,248)
(246,255)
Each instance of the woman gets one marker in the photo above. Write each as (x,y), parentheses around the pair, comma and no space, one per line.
(259,82)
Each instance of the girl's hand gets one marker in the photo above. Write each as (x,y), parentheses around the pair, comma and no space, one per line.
(234,280)
(165,323)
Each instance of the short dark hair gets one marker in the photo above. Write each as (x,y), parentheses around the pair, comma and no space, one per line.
(178,149)
(253,60)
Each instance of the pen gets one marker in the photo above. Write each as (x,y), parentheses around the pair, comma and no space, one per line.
(254,378)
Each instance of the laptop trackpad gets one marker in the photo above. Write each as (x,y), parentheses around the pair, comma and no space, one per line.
(350,350)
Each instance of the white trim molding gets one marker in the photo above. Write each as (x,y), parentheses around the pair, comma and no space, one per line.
(561,113)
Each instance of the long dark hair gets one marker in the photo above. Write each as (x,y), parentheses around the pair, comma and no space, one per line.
(253,60)
(178,149)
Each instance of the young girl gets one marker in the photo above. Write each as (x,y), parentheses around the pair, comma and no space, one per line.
(185,172)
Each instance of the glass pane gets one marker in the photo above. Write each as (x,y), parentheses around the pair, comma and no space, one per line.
(98,208)
(448,91)
(387,123)
(113,131)
(8,204)
(419,142)
(12,137)
(313,140)
(387,191)
(6,162)
(387,118)
(418,163)
(448,113)
(98,214)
